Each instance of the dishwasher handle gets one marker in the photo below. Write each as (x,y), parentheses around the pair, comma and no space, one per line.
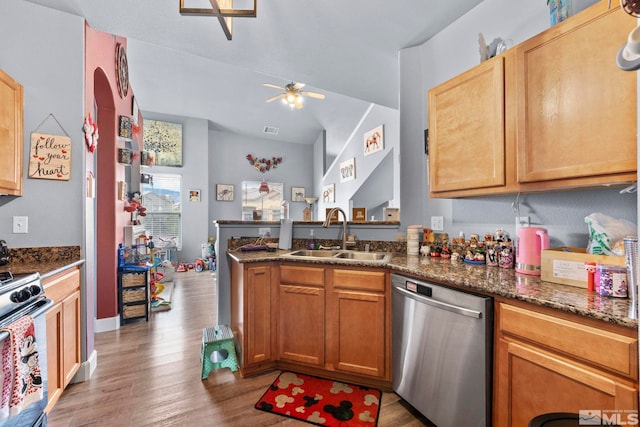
(439,304)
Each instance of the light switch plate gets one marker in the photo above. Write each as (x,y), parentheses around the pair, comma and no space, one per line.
(20,224)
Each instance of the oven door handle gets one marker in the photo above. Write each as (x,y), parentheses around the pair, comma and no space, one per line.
(35,313)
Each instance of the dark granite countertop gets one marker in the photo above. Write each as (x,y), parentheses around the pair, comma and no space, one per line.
(45,260)
(486,280)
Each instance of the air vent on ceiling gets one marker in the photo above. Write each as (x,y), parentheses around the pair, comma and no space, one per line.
(270,130)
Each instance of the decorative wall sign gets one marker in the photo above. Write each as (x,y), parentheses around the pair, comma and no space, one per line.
(263,164)
(50,157)
(359,214)
(125,127)
(297,194)
(165,140)
(374,140)
(329,193)
(348,170)
(224,192)
(125,156)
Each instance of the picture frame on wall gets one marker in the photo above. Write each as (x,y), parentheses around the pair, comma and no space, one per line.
(374,140)
(194,195)
(329,193)
(297,194)
(164,140)
(348,170)
(224,192)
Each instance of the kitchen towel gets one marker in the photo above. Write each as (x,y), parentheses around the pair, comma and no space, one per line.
(21,375)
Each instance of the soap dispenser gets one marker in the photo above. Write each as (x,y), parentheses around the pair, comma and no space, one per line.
(311,243)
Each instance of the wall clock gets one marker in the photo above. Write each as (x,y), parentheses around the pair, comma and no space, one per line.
(122,70)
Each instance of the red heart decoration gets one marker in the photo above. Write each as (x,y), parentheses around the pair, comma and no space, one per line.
(41,137)
(41,158)
(59,175)
(35,156)
(64,151)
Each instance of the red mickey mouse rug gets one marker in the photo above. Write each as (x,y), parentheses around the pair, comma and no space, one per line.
(321,402)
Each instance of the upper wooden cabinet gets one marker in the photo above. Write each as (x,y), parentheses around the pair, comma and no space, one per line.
(554,112)
(467,130)
(11,135)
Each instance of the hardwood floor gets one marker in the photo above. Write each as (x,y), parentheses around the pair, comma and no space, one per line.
(148,374)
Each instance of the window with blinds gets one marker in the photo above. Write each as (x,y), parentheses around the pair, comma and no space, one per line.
(162,197)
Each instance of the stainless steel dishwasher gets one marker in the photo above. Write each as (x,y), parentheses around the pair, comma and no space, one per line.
(441,350)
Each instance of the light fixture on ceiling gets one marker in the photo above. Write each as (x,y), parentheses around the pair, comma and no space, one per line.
(223,10)
(292,94)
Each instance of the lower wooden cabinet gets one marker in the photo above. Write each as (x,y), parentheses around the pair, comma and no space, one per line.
(318,319)
(545,364)
(63,331)
(252,315)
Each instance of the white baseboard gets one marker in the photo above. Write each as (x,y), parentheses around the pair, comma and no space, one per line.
(105,325)
(86,368)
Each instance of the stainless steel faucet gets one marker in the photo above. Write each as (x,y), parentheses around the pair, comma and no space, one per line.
(327,221)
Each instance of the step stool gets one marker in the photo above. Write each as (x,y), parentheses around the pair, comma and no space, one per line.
(218,350)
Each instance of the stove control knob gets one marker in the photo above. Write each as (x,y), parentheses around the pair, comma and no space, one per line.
(35,290)
(14,297)
(24,295)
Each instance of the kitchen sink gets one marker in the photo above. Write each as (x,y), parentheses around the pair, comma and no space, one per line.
(339,255)
(363,256)
(317,253)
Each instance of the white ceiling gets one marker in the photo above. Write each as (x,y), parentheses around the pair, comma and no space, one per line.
(346,49)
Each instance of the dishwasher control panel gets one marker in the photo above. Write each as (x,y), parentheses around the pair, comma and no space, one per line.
(418,288)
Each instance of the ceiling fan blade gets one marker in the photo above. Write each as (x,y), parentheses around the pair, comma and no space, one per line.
(298,86)
(273,86)
(273,98)
(313,95)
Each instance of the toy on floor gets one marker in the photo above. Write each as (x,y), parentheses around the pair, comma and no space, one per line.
(166,268)
(181,267)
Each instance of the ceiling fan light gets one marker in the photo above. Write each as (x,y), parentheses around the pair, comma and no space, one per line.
(291,98)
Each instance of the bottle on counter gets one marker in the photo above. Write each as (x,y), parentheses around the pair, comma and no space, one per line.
(311,243)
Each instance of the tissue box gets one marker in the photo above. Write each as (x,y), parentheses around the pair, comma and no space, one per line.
(565,265)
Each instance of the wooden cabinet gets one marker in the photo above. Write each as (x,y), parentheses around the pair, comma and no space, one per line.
(133,294)
(467,130)
(576,110)
(301,315)
(11,135)
(358,339)
(318,319)
(63,331)
(253,315)
(553,112)
(545,363)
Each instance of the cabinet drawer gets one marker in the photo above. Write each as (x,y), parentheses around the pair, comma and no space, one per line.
(61,285)
(133,295)
(611,351)
(358,279)
(302,275)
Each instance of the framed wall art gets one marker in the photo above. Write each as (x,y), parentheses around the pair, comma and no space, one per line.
(329,193)
(224,192)
(374,140)
(194,195)
(297,194)
(348,170)
(164,139)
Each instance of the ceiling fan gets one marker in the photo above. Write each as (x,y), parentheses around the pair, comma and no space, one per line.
(292,94)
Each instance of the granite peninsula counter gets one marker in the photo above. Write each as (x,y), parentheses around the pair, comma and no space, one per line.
(492,281)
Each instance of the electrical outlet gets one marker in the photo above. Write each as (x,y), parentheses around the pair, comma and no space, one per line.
(437,223)
(20,224)
(265,232)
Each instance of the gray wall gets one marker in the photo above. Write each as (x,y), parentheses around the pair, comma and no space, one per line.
(449,53)
(227,165)
(194,171)
(47,58)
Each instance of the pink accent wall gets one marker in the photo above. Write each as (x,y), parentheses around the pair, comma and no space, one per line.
(103,100)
